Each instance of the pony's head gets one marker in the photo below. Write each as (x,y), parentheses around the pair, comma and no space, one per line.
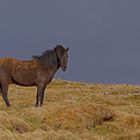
(62,56)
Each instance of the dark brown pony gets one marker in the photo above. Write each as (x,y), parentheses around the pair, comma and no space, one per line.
(36,72)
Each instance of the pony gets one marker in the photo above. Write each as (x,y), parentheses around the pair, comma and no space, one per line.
(39,72)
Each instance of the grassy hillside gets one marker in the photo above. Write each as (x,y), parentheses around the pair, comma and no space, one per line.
(72,111)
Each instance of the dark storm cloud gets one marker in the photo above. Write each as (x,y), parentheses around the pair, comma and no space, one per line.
(103,35)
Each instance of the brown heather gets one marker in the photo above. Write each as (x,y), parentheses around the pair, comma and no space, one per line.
(72,111)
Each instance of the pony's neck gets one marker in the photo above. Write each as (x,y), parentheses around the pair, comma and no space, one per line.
(49,61)
(51,71)
(53,68)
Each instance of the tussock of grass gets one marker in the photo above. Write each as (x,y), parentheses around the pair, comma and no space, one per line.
(13,124)
(131,121)
(72,111)
(84,116)
(7,135)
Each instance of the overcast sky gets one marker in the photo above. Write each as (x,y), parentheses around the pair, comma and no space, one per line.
(103,36)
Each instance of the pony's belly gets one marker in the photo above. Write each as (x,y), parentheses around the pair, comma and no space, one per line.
(24,78)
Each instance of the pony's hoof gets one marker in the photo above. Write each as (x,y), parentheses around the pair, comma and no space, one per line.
(9,105)
(36,105)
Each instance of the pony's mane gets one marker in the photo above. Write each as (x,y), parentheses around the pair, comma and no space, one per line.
(48,58)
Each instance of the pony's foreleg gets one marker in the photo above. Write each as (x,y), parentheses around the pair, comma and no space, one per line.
(40,93)
(37,97)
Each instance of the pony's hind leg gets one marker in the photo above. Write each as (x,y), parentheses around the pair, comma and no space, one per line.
(0,89)
(4,92)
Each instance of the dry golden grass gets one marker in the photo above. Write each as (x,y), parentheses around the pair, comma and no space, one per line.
(72,111)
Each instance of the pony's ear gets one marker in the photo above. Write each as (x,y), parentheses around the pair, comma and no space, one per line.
(67,49)
(56,50)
